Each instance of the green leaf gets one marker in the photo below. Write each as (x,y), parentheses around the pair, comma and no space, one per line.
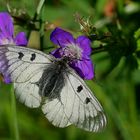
(137,37)
(137,34)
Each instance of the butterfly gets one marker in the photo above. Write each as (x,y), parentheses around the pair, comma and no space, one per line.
(42,80)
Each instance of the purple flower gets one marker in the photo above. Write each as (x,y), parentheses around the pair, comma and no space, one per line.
(7,35)
(77,50)
(7,32)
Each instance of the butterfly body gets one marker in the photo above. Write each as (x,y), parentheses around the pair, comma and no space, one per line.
(52,80)
(42,80)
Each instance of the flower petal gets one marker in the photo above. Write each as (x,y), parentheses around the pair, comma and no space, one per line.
(84,68)
(3,70)
(85,44)
(56,53)
(6,26)
(7,80)
(61,38)
(21,39)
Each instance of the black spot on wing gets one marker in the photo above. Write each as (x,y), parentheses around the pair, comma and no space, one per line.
(20,55)
(87,100)
(79,88)
(33,56)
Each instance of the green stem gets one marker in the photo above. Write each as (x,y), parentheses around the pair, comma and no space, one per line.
(36,17)
(97,50)
(14,116)
(38,10)
(40,5)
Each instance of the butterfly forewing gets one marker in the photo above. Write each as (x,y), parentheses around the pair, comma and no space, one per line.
(20,63)
(24,67)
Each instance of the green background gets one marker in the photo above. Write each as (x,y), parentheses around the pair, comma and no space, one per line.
(117,74)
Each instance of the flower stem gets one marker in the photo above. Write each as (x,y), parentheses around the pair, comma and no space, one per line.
(40,5)
(97,50)
(14,116)
(37,18)
(38,10)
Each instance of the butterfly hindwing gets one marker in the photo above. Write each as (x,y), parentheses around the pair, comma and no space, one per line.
(54,112)
(79,106)
(24,67)
(28,92)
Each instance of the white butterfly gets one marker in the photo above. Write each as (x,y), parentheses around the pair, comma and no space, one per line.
(41,79)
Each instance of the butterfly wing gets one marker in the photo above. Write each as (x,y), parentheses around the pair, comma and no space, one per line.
(54,112)
(24,67)
(77,105)
(20,63)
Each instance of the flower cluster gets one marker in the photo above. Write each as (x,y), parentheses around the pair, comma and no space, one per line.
(78,50)
(7,32)
(7,35)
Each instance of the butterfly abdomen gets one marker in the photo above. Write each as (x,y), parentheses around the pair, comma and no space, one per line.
(52,81)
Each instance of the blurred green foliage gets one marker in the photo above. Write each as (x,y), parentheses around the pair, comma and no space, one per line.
(115,31)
